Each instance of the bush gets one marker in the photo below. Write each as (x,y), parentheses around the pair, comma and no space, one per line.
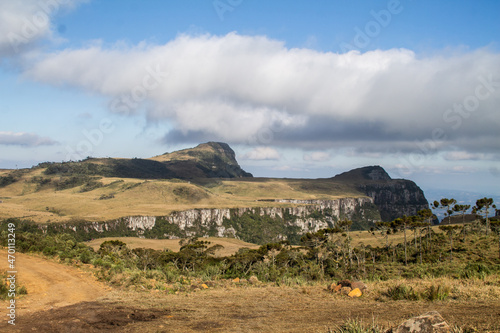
(86,257)
(4,290)
(436,293)
(49,251)
(7,180)
(171,274)
(475,270)
(401,292)
(211,272)
(22,291)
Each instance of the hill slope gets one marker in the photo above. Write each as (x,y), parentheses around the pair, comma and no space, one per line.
(211,159)
(205,177)
(394,197)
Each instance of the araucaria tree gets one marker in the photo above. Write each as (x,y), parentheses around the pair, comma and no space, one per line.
(402,224)
(495,226)
(447,204)
(450,231)
(461,209)
(483,207)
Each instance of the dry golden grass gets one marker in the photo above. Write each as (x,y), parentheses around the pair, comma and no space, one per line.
(460,289)
(24,199)
(231,245)
(254,309)
(377,240)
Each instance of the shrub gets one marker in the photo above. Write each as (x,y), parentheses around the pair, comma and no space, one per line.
(4,290)
(401,292)
(211,272)
(7,180)
(475,270)
(171,274)
(136,278)
(22,291)
(49,251)
(356,326)
(436,293)
(86,257)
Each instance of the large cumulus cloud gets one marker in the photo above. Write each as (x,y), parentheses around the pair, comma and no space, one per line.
(251,89)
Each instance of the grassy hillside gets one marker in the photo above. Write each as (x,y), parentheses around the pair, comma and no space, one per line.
(206,176)
(230,245)
(51,197)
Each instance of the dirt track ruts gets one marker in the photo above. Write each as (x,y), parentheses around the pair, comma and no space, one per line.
(50,284)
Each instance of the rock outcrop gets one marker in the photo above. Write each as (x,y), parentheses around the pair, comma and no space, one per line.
(396,198)
(393,197)
(430,322)
(207,160)
(301,217)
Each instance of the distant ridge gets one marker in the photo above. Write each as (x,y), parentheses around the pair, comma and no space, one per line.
(375,172)
(207,160)
(202,176)
(394,197)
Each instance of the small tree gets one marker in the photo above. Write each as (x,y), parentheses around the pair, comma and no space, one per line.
(385,229)
(495,226)
(461,209)
(345,226)
(450,231)
(427,216)
(418,223)
(446,204)
(483,206)
(402,224)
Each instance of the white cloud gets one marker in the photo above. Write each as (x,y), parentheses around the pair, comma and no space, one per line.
(463,169)
(25,23)
(262,153)
(464,155)
(234,87)
(317,156)
(24,139)
(289,168)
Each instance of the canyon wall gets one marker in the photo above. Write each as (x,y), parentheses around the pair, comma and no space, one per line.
(288,221)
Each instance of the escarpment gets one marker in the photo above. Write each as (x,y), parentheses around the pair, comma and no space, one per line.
(246,223)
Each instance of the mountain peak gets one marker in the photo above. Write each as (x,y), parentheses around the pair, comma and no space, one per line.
(220,148)
(375,172)
(210,159)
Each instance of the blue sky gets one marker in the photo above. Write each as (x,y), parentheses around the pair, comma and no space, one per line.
(298,89)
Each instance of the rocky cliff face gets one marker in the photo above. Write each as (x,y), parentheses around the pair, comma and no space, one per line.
(286,222)
(397,198)
(393,197)
(207,160)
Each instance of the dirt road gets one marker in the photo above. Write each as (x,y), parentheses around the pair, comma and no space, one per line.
(49,284)
(66,299)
